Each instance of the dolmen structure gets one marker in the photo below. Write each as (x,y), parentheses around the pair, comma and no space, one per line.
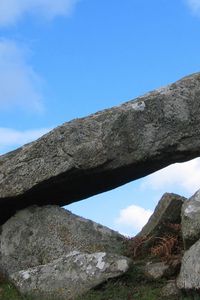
(91,155)
(49,253)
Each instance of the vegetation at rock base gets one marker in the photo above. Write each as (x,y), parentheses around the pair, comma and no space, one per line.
(129,287)
(7,291)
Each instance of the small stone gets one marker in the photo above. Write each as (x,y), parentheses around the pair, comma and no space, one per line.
(170,289)
(156,270)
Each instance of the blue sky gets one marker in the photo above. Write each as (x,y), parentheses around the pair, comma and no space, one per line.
(65,59)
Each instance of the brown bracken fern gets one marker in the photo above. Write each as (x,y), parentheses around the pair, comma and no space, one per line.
(176,227)
(165,247)
(136,245)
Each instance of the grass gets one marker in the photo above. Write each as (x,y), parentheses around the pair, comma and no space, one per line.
(113,292)
(131,286)
(8,292)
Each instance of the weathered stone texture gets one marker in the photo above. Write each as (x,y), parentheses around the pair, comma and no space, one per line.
(69,276)
(91,155)
(161,269)
(191,220)
(156,270)
(38,235)
(190,269)
(171,290)
(168,210)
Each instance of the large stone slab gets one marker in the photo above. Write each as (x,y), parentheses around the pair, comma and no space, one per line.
(69,276)
(91,155)
(39,235)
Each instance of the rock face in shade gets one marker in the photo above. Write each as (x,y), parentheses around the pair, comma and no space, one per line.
(69,276)
(39,235)
(91,155)
(191,220)
(168,210)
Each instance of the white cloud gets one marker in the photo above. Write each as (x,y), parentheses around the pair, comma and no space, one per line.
(10,138)
(20,85)
(185,176)
(194,6)
(12,11)
(134,216)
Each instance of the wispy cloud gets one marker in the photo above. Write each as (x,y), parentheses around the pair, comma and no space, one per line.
(133,217)
(20,85)
(11,11)
(184,176)
(11,138)
(194,6)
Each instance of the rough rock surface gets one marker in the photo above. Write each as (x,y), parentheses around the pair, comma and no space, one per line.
(191,220)
(171,290)
(105,150)
(157,270)
(168,210)
(190,269)
(69,276)
(38,235)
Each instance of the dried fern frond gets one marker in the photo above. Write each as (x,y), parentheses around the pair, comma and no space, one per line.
(136,244)
(174,226)
(165,246)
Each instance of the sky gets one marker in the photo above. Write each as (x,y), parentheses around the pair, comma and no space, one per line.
(66,59)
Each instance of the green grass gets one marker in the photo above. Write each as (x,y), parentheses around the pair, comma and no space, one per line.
(113,292)
(131,286)
(8,292)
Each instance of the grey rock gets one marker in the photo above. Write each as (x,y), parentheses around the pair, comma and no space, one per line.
(38,235)
(168,210)
(191,220)
(91,155)
(170,289)
(69,276)
(190,269)
(157,270)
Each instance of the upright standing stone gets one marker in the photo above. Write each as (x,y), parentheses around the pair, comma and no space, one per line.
(191,220)
(189,278)
(168,210)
